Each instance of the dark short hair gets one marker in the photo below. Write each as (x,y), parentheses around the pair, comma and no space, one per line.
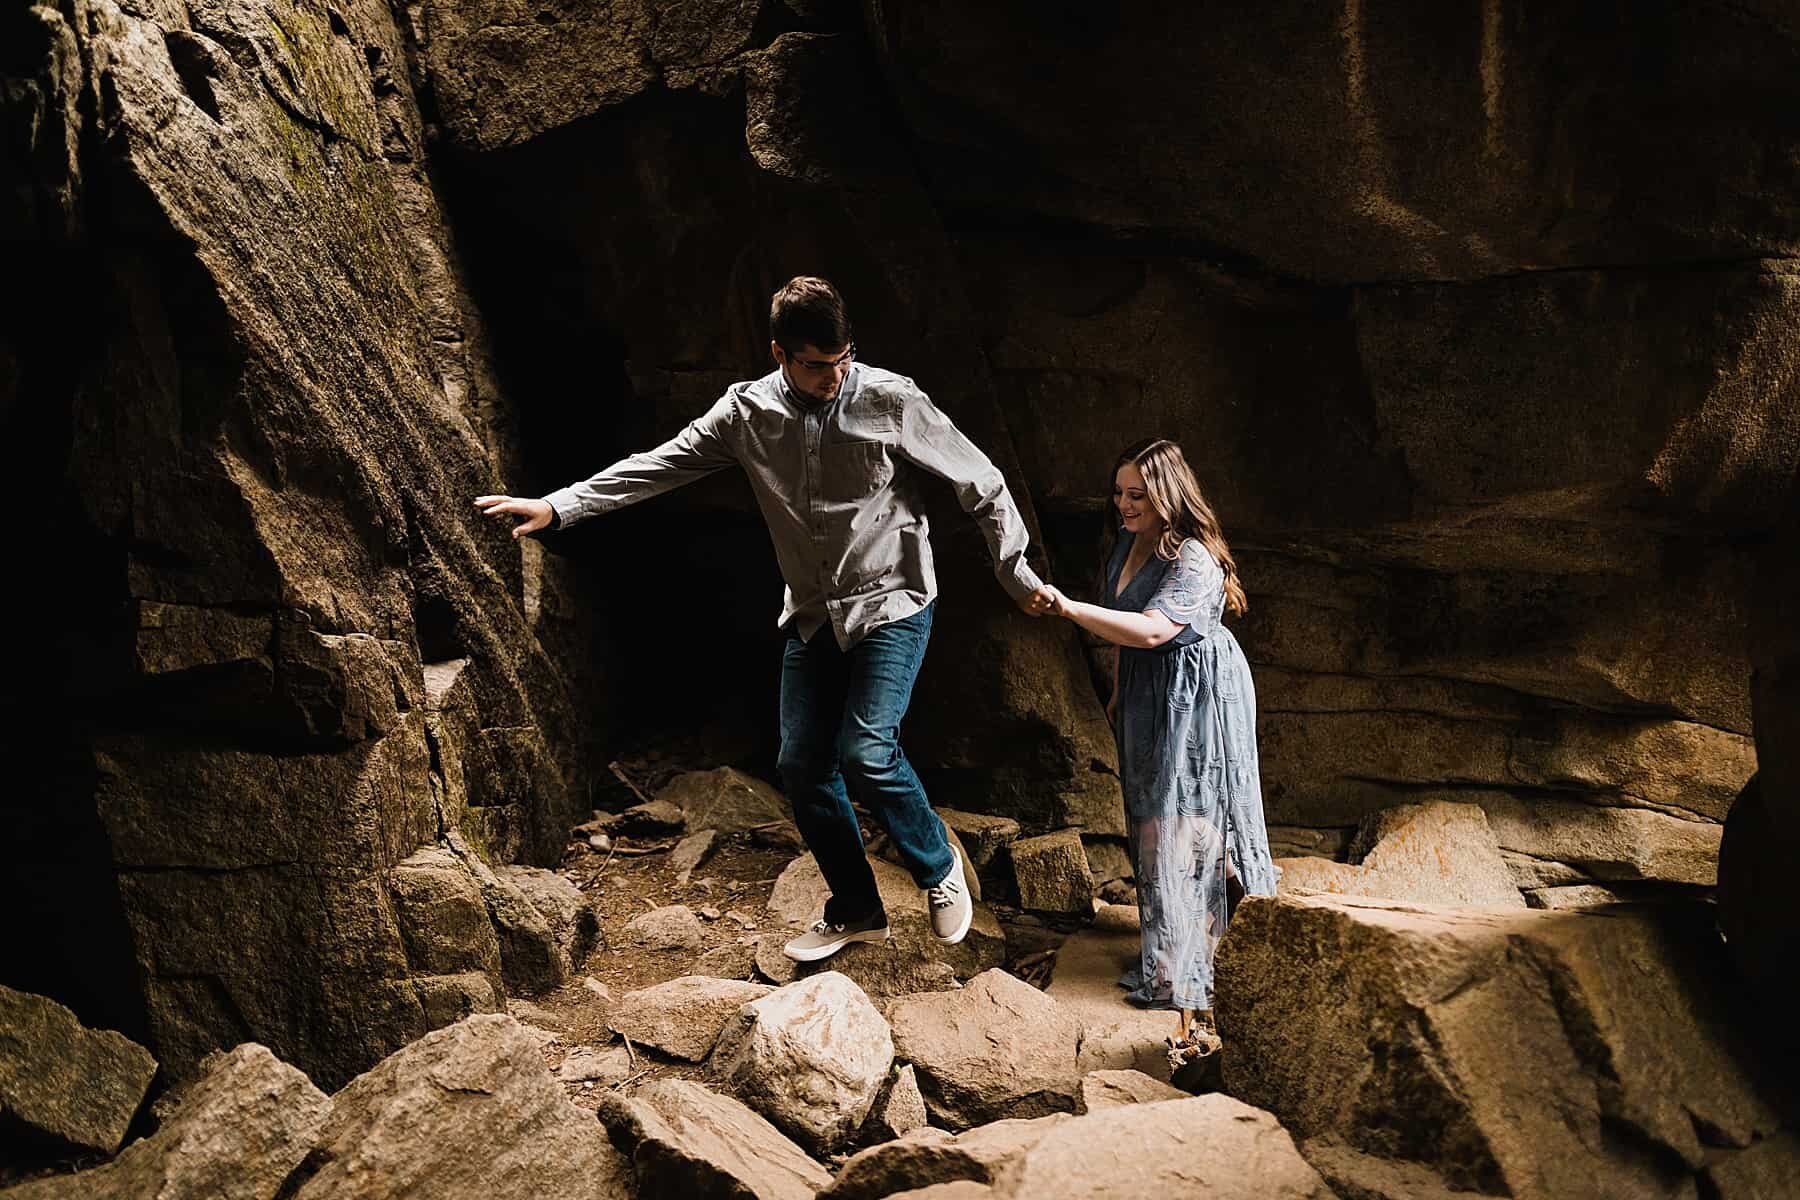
(807,310)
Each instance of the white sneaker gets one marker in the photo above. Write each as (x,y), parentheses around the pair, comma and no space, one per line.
(825,939)
(951,907)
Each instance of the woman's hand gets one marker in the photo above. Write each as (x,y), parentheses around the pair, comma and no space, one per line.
(1057,604)
(536,513)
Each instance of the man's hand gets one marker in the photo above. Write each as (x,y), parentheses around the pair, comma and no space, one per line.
(1039,602)
(537,513)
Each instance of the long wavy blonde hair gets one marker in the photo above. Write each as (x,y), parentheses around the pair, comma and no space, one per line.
(1176,498)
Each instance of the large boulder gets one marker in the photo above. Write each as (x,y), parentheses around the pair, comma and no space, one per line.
(798,899)
(811,1057)
(468,1110)
(63,1087)
(238,1131)
(682,1017)
(998,1048)
(1506,1040)
(685,1140)
(1437,852)
(1201,1145)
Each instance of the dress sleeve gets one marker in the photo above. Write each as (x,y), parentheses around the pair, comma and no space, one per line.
(1192,590)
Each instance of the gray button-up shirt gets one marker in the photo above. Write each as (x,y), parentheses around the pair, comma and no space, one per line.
(838,485)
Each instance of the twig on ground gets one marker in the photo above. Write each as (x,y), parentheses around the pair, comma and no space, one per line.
(630,1054)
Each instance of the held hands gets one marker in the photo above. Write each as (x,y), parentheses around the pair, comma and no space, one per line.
(536,513)
(1046,600)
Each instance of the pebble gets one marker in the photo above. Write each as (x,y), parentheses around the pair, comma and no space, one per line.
(600,842)
(709,913)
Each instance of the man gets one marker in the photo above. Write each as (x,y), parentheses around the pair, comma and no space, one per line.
(833,449)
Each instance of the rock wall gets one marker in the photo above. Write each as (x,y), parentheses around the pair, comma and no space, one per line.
(1477,324)
(249,400)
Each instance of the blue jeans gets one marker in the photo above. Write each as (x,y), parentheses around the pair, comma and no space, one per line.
(840,726)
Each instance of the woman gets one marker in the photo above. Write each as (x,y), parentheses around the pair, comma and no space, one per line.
(1184,712)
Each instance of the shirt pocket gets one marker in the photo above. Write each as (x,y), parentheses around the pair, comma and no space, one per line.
(854,470)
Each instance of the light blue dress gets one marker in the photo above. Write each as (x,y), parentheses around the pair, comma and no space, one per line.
(1187,759)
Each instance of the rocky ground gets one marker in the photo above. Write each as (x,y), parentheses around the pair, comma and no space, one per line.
(1410,1024)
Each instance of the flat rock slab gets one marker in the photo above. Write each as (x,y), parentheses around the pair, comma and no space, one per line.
(998,1048)
(1115,1035)
(691,851)
(584,1063)
(736,960)
(237,1131)
(798,899)
(64,1086)
(1436,853)
(811,1057)
(930,1157)
(1212,1146)
(652,819)
(1052,873)
(1512,1040)
(687,1140)
(682,1017)
(724,799)
(1109,1089)
(469,1110)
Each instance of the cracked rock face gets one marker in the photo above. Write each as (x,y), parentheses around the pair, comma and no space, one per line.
(1490,1047)
(291,654)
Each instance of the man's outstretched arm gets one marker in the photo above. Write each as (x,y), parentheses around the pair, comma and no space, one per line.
(696,452)
(929,440)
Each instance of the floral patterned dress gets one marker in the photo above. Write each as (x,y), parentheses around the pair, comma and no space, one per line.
(1187,758)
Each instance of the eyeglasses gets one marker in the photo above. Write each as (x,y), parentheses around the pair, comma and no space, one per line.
(826,364)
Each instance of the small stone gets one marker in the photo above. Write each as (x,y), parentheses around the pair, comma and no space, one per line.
(600,842)
(597,988)
(742,920)
(672,927)
(691,851)
(1119,892)
(709,913)
(899,1109)
(585,1064)
(535,1014)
